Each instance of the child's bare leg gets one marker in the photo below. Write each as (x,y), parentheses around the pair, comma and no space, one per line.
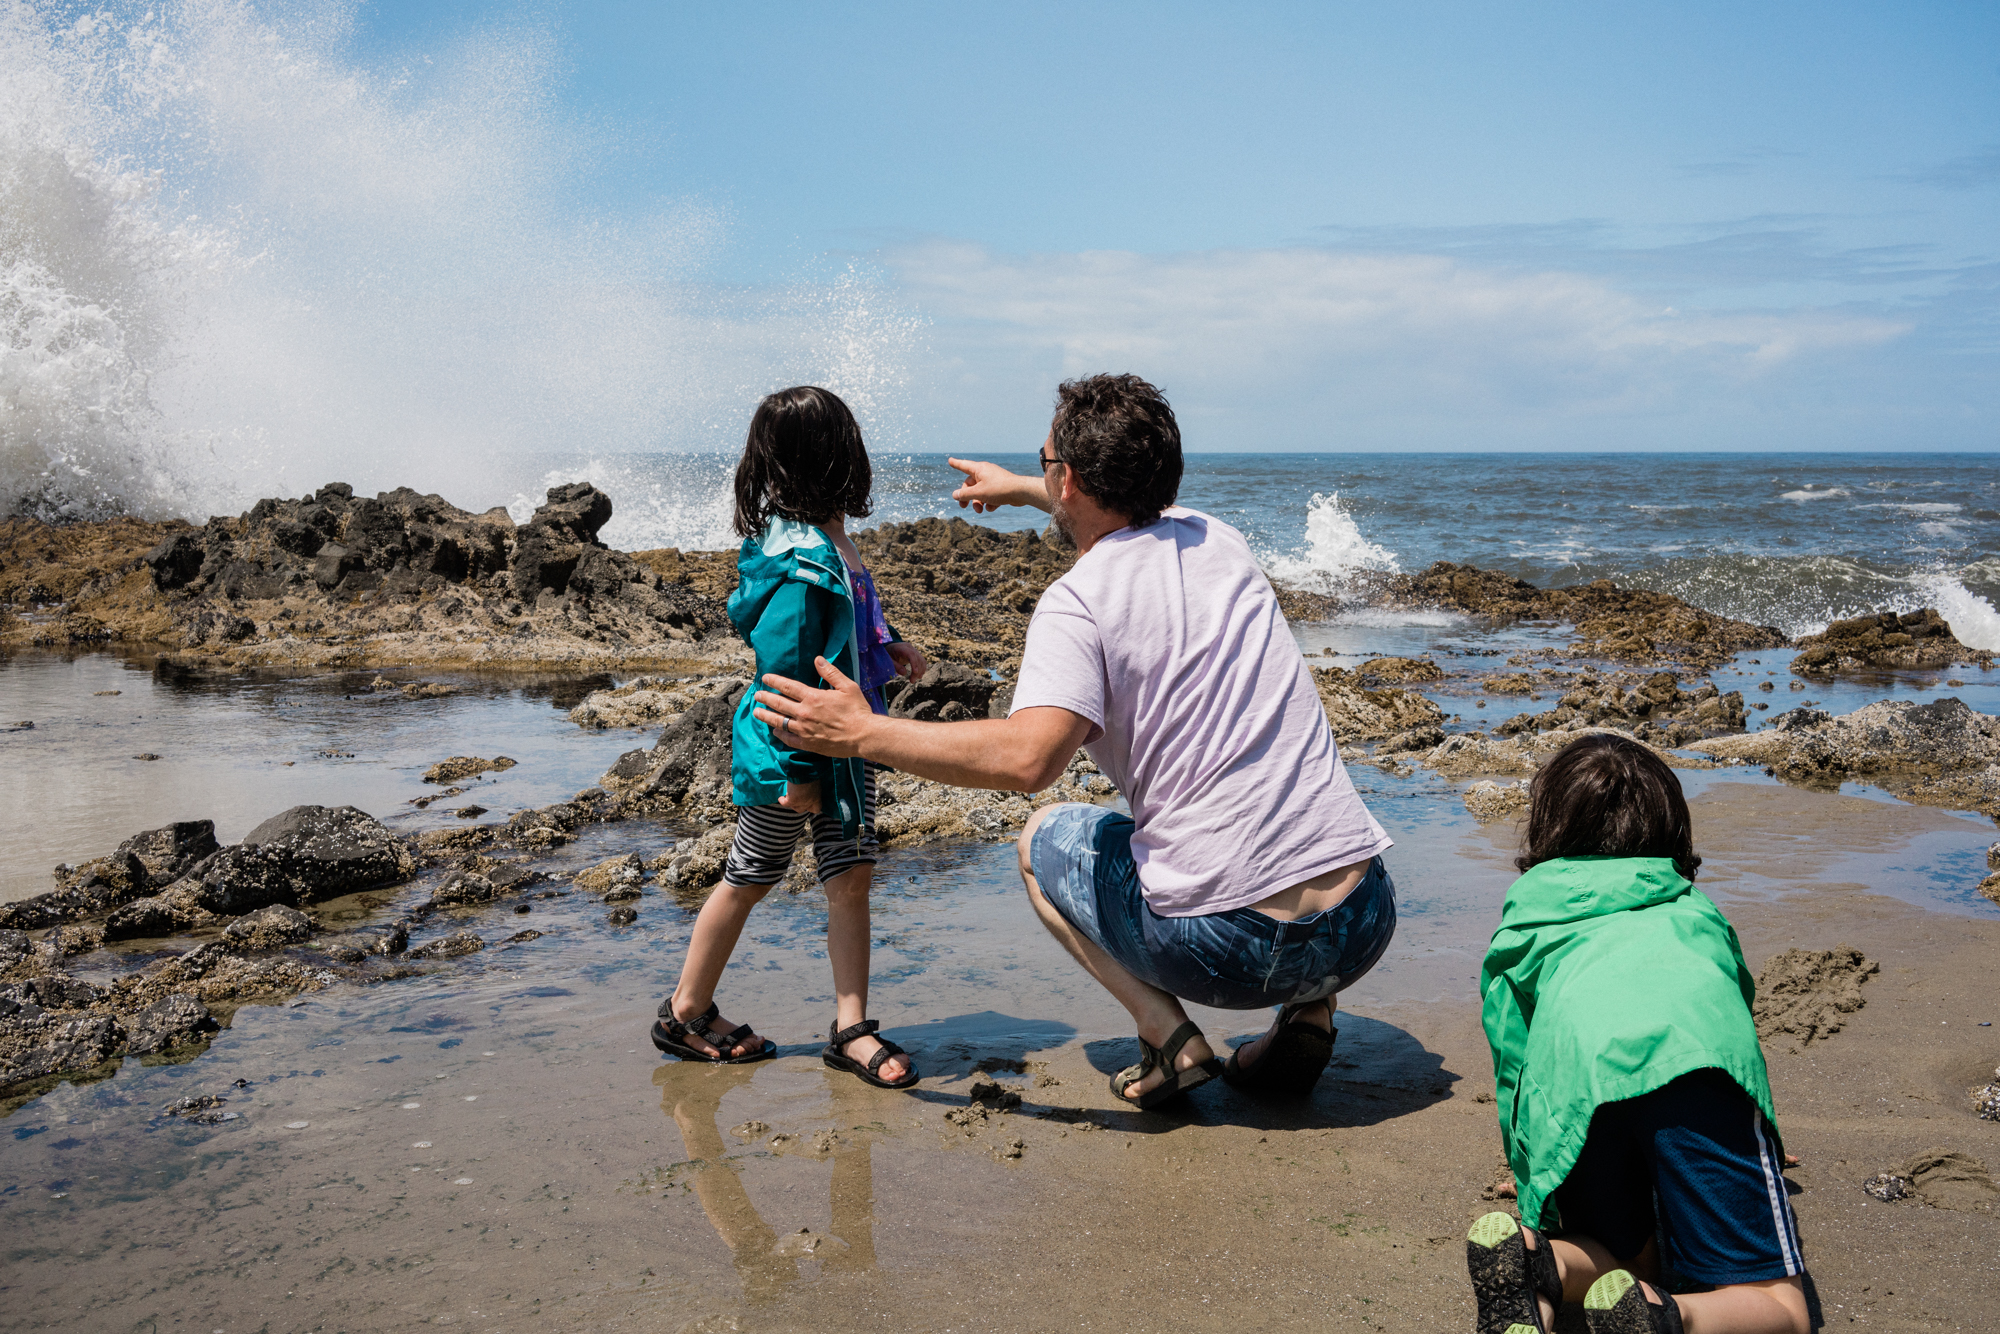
(1776,1306)
(847,951)
(716,929)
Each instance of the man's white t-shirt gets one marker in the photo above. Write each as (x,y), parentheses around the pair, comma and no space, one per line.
(1169,640)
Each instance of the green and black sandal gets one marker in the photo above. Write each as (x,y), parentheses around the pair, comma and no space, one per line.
(1154,1058)
(1507,1276)
(1616,1304)
(671,1035)
(1293,1059)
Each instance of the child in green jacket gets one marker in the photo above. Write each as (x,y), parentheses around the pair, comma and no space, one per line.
(1633,1099)
(802,593)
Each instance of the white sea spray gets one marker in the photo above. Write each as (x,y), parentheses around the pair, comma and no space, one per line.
(236,262)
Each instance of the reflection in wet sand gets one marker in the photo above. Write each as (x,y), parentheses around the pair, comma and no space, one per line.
(692,1095)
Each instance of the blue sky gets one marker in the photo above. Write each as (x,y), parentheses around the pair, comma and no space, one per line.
(1322,226)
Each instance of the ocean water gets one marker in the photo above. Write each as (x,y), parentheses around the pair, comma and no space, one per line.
(237,263)
(1788,540)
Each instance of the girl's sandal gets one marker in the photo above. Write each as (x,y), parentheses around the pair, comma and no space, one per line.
(840,1060)
(1616,1304)
(671,1035)
(1153,1058)
(1507,1276)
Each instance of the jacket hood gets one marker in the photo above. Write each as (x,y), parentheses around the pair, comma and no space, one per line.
(1574,889)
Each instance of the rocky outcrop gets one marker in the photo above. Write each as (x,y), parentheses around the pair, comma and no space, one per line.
(173,1021)
(1920,639)
(948,692)
(1472,754)
(1623,624)
(614,879)
(301,581)
(270,928)
(688,766)
(1941,753)
(649,700)
(460,767)
(141,864)
(1361,712)
(1657,710)
(1488,800)
(302,855)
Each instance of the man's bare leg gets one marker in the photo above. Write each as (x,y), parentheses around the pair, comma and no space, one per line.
(1156,1013)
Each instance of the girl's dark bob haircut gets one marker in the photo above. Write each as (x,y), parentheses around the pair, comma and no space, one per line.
(1607,796)
(803,460)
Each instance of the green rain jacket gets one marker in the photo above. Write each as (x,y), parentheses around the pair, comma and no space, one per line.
(792,603)
(1608,978)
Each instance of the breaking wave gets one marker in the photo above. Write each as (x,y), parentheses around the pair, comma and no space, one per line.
(1334,550)
(235,262)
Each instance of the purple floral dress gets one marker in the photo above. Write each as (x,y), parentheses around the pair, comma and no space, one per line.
(872,639)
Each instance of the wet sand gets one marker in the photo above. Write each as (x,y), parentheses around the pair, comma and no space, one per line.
(553,1173)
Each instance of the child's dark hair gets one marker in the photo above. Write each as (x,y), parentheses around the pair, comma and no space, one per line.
(1607,796)
(803,460)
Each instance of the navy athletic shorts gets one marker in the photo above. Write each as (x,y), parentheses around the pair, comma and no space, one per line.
(1696,1164)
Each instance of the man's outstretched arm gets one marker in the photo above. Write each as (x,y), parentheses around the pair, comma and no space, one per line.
(988,486)
(1022,753)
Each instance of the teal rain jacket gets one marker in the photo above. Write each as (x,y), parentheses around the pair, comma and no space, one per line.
(1608,978)
(792,603)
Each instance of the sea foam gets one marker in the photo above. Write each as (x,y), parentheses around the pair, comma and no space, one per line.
(1334,550)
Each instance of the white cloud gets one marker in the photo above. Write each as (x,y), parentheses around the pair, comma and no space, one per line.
(1409,337)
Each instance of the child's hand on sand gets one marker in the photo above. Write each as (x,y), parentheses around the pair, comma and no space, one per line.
(910,660)
(801,797)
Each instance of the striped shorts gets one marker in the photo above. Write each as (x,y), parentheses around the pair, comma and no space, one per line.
(766,837)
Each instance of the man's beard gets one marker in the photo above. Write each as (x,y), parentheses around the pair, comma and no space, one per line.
(1061,522)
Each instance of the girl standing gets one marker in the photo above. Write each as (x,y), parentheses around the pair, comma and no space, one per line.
(802,593)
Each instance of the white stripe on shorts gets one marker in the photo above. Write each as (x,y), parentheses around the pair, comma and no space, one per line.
(1774,1187)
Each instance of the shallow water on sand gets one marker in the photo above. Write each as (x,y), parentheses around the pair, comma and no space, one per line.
(493,1137)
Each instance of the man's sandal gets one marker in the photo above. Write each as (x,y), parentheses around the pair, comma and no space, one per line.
(840,1060)
(1616,1304)
(1293,1059)
(671,1036)
(1507,1276)
(1154,1058)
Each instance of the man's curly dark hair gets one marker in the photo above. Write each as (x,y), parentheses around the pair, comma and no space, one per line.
(1118,435)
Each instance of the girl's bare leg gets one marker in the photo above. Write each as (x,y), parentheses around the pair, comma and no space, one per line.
(716,929)
(847,951)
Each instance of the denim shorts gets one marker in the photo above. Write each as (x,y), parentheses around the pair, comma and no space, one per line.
(1234,960)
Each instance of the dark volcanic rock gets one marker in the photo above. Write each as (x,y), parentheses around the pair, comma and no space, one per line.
(1655,709)
(689,764)
(145,918)
(54,991)
(1885,639)
(449,947)
(174,1021)
(1611,622)
(35,1045)
(170,852)
(948,692)
(270,928)
(303,854)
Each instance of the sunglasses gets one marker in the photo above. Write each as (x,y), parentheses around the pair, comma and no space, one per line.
(1046,460)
